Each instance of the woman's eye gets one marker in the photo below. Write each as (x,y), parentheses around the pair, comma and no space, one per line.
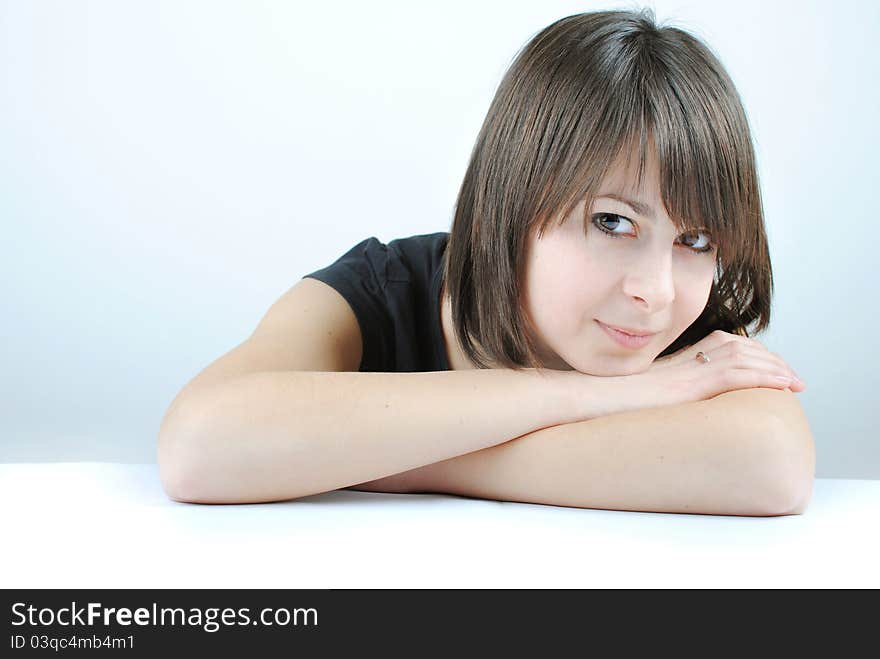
(607,222)
(702,241)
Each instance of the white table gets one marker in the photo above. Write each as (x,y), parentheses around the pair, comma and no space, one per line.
(108,525)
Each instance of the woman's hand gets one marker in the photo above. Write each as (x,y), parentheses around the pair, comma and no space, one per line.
(735,362)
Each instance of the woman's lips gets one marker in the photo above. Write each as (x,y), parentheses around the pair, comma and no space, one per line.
(624,339)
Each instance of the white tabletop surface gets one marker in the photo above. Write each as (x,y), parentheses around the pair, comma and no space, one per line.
(109,525)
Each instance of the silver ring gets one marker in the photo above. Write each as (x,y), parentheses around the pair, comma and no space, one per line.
(703,357)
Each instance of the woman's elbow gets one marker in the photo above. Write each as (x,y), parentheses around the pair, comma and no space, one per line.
(787,459)
(174,458)
(174,478)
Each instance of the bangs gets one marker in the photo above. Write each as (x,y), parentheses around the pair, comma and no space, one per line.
(701,158)
(665,100)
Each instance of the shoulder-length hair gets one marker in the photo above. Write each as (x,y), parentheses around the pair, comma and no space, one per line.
(584,90)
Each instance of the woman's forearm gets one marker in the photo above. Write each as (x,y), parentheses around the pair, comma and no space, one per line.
(727,456)
(272,436)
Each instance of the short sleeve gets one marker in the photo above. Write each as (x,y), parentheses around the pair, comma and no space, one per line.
(360,276)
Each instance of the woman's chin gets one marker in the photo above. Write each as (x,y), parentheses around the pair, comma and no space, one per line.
(613,369)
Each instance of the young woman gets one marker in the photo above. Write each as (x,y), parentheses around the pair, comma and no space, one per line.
(580,337)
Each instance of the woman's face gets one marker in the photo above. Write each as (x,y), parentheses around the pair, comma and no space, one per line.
(649,278)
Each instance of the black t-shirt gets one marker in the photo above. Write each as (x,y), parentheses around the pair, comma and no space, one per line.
(394,290)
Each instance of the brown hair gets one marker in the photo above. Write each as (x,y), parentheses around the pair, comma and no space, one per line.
(576,97)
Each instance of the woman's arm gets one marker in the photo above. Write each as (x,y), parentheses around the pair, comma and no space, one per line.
(745,452)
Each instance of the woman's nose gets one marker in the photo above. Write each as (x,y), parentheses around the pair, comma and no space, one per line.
(652,284)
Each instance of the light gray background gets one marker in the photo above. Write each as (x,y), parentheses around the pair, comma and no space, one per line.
(170,168)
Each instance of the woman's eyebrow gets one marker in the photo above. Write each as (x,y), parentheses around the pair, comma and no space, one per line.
(642,209)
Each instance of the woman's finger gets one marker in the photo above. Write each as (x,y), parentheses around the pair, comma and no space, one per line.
(731,356)
(740,378)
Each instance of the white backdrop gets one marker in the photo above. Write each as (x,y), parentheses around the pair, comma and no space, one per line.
(170,168)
